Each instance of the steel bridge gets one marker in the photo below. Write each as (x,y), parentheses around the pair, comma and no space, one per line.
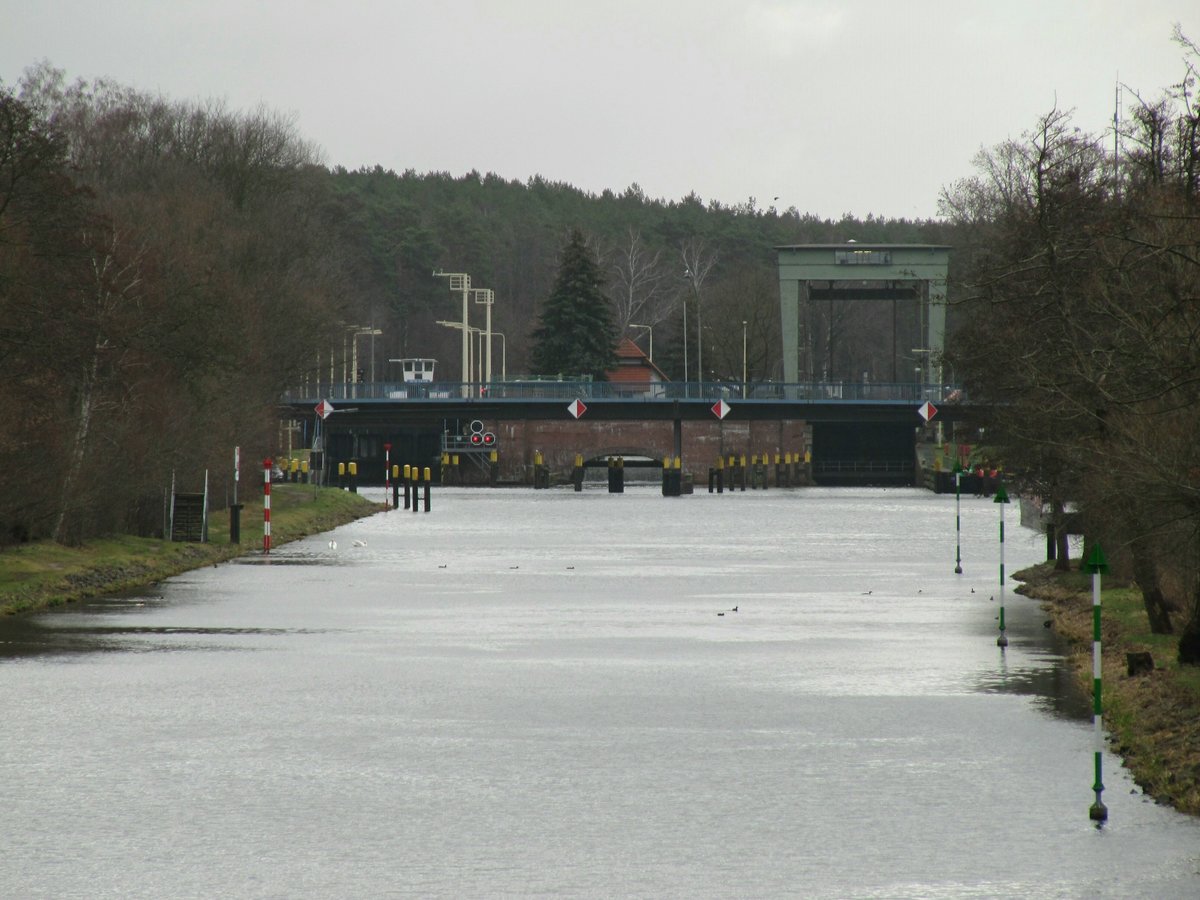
(855,432)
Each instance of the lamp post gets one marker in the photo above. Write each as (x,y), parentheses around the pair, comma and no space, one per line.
(503,355)
(699,328)
(467,331)
(685,367)
(359,332)
(487,297)
(650,330)
(461,281)
(743,359)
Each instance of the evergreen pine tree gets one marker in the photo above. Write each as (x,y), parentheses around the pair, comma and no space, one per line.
(575,333)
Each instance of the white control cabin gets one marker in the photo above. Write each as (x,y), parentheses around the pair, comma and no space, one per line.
(417,370)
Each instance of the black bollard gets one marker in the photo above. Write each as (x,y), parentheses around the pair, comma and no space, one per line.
(235,523)
(416,488)
(428,481)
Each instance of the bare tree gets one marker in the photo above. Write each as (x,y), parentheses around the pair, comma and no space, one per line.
(638,287)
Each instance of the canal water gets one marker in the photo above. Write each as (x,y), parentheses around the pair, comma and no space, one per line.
(782,693)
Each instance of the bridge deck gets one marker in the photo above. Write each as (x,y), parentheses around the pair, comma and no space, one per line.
(813,401)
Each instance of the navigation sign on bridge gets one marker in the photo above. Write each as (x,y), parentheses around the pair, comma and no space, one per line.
(324,408)
(721,409)
(577,408)
(927,410)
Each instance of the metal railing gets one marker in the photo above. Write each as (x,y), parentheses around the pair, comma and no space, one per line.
(805,391)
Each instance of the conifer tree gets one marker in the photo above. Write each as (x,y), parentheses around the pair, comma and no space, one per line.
(575,333)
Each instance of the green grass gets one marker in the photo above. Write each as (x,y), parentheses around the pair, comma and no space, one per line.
(43,573)
(1154,719)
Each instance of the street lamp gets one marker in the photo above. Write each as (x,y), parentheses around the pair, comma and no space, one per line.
(650,329)
(743,359)
(687,273)
(461,281)
(486,296)
(357,333)
(503,355)
(467,332)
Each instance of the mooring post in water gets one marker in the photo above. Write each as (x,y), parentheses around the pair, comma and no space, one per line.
(416,488)
(267,505)
(1001,499)
(957,518)
(1097,565)
(428,481)
(395,486)
(387,473)
(407,484)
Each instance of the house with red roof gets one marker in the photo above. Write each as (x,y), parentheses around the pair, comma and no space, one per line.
(635,374)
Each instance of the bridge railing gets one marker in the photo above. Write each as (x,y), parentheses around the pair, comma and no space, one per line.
(810,391)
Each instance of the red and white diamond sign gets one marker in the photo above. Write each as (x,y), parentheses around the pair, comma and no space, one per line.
(577,408)
(927,410)
(324,408)
(721,409)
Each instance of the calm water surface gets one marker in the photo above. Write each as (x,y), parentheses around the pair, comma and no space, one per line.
(543,693)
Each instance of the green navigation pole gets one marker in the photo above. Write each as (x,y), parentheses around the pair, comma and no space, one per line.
(957,518)
(1001,499)
(1097,565)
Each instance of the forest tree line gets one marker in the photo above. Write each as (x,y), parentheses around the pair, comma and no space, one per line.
(169,268)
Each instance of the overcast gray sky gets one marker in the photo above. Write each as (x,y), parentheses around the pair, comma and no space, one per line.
(858,106)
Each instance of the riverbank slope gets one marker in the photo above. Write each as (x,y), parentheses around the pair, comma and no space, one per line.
(42,573)
(1153,719)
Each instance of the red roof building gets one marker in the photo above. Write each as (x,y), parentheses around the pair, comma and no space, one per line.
(635,373)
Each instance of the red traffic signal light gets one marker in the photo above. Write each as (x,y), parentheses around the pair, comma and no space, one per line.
(489,438)
(476,439)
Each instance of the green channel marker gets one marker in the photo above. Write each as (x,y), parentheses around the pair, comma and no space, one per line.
(1097,565)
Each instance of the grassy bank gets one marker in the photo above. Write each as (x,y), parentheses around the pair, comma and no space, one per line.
(43,573)
(1153,719)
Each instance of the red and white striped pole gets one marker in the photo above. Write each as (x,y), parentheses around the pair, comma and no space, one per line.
(267,505)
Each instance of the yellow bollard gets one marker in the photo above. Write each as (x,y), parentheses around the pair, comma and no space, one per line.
(494,455)
(678,462)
